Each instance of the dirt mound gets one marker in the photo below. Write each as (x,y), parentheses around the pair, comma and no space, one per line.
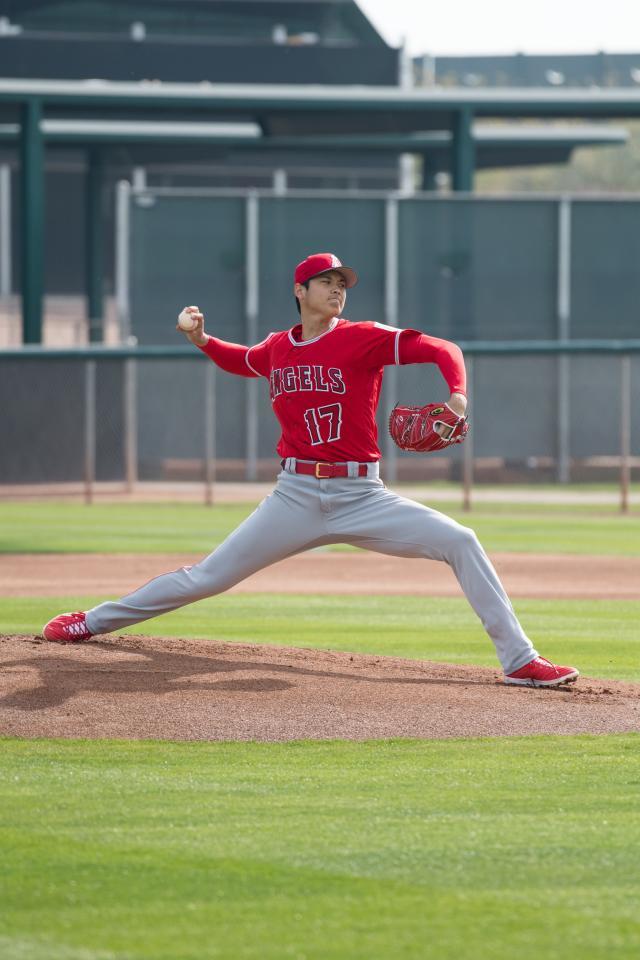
(134,687)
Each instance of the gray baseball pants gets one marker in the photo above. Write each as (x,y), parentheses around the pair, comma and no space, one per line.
(303,513)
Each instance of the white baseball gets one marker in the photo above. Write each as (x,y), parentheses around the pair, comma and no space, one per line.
(186,320)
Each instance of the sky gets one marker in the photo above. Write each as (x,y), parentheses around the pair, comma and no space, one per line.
(456,27)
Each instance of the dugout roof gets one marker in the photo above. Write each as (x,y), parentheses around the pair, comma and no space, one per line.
(279,110)
(494,145)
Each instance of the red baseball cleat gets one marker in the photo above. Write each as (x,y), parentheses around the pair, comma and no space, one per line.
(67,628)
(542,673)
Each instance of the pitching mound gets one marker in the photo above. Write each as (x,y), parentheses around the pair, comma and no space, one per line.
(133,687)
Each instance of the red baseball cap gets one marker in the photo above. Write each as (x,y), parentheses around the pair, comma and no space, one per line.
(319,263)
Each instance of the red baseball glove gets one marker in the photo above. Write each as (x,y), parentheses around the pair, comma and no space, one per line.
(424,429)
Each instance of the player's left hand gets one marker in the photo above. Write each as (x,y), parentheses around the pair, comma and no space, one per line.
(458,403)
(424,429)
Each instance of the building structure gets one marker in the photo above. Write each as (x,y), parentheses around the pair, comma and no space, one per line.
(597,70)
(326,108)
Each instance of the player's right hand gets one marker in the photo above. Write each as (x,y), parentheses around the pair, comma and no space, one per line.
(197,336)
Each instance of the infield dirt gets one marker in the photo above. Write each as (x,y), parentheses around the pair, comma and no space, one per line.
(136,687)
(552,576)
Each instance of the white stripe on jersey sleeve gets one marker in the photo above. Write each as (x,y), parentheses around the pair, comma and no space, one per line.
(246,356)
(397,348)
(385,326)
(246,360)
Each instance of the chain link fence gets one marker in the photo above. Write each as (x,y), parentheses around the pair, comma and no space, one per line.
(521,283)
(101,420)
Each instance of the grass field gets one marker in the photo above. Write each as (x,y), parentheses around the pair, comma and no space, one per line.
(458,850)
(602,637)
(192,528)
(454,850)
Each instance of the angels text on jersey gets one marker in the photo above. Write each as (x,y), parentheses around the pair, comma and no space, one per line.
(306,377)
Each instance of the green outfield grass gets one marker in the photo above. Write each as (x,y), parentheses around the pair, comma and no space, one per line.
(192,528)
(457,850)
(601,637)
(116,528)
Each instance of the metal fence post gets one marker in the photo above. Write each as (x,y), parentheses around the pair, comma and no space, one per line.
(251,310)
(625,432)
(391,318)
(467,446)
(89,429)
(209,432)
(130,418)
(122,254)
(5,230)
(463,151)
(94,246)
(32,208)
(564,332)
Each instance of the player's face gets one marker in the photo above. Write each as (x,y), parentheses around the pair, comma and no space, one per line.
(327,294)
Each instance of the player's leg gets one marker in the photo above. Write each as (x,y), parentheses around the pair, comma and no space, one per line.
(285,523)
(387,523)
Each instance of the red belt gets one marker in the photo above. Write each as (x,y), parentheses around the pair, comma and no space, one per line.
(326,471)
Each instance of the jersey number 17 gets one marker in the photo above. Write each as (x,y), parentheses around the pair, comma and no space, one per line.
(325,420)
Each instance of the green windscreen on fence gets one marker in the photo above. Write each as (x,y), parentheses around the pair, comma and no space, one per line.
(605,274)
(478,269)
(467,269)
(291,229)
(186,250)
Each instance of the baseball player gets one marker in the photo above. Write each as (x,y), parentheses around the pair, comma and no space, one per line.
(325,376)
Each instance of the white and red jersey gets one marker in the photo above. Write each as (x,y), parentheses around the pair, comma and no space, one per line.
(325,391)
